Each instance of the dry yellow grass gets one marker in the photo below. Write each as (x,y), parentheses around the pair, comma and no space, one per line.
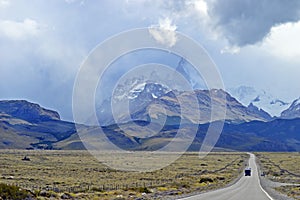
(282,167)
(79,173)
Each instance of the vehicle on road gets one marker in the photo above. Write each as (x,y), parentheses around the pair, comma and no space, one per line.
(246,188)
(248,172)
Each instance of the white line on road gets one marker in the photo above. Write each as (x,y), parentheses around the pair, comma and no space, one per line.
(265,192)
(259,179)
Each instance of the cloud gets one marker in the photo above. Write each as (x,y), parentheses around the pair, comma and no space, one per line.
(43,45)
(4,3)
(250,21)
(81,2)
(19,30)
(165,33)
(283,42)
(199,5)
(231,50)
(70,1)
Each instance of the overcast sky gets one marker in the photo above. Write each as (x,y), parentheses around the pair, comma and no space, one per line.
(43,43)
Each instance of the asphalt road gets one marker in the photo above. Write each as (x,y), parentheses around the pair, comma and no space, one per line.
(247,188)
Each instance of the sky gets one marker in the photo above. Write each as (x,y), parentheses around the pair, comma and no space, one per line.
(43,43)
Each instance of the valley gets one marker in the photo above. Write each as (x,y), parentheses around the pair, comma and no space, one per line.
(149,100)
(77,173)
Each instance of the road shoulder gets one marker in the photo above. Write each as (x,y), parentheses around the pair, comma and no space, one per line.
(205,191)
(269,186)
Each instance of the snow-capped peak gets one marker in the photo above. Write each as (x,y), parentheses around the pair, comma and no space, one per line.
(133,90)
(293,111)
(259,98)
(297,101)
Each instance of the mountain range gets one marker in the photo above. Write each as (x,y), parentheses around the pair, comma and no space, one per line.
(25,125)
(293,111)
(162,101)
(260,98)
(28,125)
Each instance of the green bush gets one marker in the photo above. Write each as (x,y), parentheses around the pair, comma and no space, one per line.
(119,198)
(144,190)
(221,178)
(12,192)
(206,180)
(96,189)
(180,185)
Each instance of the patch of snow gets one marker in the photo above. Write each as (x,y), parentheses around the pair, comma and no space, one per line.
(297,102)
(154,96)
(260,98)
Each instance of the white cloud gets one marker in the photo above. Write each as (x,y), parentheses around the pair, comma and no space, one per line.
(200,6)
(70,1)
(4,3)
(231,50)
(81,2)
(19,30)
(165,33)
(56,54)
(283,41)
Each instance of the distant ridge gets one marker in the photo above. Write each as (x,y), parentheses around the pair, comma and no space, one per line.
(25,125)
(155,96)
(25,110)
(293,111)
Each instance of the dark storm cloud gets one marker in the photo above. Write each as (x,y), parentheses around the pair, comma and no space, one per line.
(245,22)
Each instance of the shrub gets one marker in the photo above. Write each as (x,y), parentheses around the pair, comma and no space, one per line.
(221,178)
(95,189)
(144,190)
(180,185)
(206,180)
(12,192)
(119,198)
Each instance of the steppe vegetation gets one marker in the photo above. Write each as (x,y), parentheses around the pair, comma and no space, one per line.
(284,168)
(70,174)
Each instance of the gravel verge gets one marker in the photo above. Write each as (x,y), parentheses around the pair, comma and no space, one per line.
(269,186)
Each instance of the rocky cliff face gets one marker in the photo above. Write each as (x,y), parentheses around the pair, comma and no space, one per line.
(27,111)
(260,112)
(293,111)
(145,105)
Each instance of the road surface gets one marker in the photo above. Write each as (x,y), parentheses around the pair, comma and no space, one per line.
(247,188)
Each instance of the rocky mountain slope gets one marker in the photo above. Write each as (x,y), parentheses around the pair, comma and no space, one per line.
(277,135)
(293,111)
(162,103)
(27,111)
(27,125)
(44,129)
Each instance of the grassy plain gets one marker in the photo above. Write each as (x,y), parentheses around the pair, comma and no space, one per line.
(282,167)
(78,174)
